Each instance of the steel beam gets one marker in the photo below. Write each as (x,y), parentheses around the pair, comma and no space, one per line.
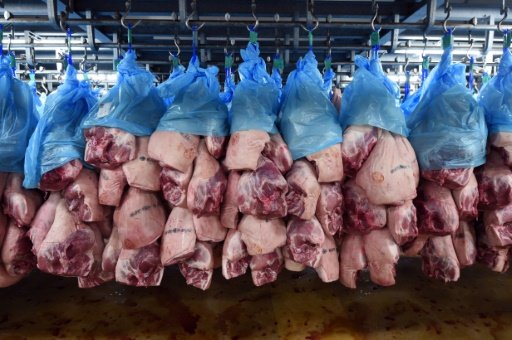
(52,13)
(59,6)
(394,35)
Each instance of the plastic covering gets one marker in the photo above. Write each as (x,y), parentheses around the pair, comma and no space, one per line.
(132,105)
(17,119)
(496,97)
(166,95)
(229,88)
(308,121)
(38,100)
(448,129)
(197,108)
(58,138)
(328,78)
(256,98)
(410,103)
(373,99)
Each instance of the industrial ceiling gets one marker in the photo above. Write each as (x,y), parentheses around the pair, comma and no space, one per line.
(409,29)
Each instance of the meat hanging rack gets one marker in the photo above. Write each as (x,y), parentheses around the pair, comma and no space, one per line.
(39,27)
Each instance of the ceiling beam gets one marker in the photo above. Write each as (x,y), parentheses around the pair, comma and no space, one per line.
(417,16)
(57,6)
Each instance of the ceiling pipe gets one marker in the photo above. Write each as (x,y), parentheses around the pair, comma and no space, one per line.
(267,22)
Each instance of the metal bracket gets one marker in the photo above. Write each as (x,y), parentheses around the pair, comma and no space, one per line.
(91,34)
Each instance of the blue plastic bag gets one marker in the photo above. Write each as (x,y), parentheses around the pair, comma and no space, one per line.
(58,138)
(197,108)
(308,121)
(410,103)
(38,101)
(229,89)
(132,105)
(373,99)
(256,98)
(162,89)
(496,97)
(328,77)
(448,129)
(17,119)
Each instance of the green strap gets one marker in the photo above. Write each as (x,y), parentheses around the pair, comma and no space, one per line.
(507,37)
(253,36)
(228,61)
(278,63)
(485,78)
(130,38)
(375,38)
(447,40)
(425,64)
(116,63)
(175,61)
(327,63)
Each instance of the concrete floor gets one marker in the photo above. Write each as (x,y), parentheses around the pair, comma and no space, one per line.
(298,306)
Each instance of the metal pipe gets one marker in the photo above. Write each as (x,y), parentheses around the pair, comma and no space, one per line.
(334,23)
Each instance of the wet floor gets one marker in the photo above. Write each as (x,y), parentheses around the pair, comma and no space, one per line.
(298,306)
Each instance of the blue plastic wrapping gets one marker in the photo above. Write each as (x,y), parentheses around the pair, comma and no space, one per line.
(163,90)
(496,97)
(38,101)
(328,77)
(229,89)
(17,119)
(308,121)
(132,105)
(448,129)
(410,103)
(256,99)
(197,108)
(373,99)
(58,138)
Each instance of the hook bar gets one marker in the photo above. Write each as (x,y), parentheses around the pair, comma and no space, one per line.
(128,5)
(375,8)
(253,12)
(192,15)
(175,40)
(448,11)
(503,11)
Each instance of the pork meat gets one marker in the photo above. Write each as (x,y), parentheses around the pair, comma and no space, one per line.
(140,218)
(303,190)
(262,236)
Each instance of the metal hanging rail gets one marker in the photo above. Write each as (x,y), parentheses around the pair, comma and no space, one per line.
(267,22)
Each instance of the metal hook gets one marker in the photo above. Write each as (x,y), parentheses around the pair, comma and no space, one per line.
(406,64)
(471,42)
(192,15)
(448,11)
(375,8)
(177,47)
(128,5)
(43,85)
(311,13)
(328,42)
(425,41)
(84,65)
(62,21)
(317,23)
(227,16)
(504,11)
(11,37)
(253,12)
